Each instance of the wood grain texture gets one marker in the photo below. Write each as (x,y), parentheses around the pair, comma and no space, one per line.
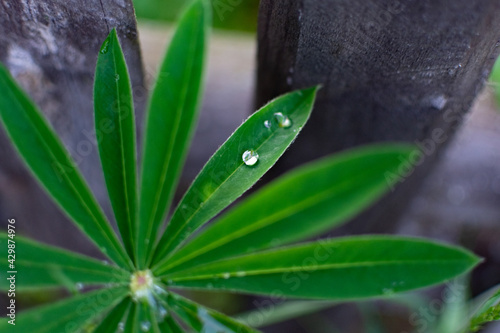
(51,48)
(392,71)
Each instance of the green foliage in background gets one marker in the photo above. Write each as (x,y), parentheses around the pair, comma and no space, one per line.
(227,14)
(251,248)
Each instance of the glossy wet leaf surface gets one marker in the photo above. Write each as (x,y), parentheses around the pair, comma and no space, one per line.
(171,118)
(338,269)
(115,128)
(226,175)
(304,203)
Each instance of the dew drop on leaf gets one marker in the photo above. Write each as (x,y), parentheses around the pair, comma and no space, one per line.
(267,124)
(79,286)
(121,327)
(105,47)
(145,326)
(117,77)
(250,157)
(226,276)
(388,291)
(162,313)
(282,120)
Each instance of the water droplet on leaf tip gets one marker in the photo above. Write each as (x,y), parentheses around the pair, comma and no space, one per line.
(145,326)
(250,157)
(105,46)
(282,120)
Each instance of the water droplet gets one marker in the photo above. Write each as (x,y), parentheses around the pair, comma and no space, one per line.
(79,286)
(226,276)
(105,47)
(145,326)
(241,274)
(388,291)
(162,312)
(267,124)
(283,121)
(121,327)
(250,157)
(105,262)
(439,102)
(117,77)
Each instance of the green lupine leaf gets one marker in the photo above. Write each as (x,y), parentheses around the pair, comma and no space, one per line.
(171,118)
(338,269)
(114,319)
(146,319)
(486,312)
(268,132)
(131,325)
(283,311)
(50,163)
(306,202)
(495,80)
(42,266)
(115,128)
(169,325)
(201,319)
(68,315)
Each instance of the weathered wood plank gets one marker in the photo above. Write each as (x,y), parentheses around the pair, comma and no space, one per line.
(51,48)
(392,71)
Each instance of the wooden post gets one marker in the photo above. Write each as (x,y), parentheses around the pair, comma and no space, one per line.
(391,70)
(51,48)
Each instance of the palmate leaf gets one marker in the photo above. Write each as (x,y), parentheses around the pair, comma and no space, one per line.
(268,132)
(42,266)
(338,269)
(173,112)
(115,128)
(306,202)
(69,315)
(50,163)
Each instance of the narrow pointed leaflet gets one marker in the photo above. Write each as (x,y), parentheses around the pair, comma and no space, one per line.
(115,127)
(170,122)
(50,163)
(44,266)
(337,269)
(242,160)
